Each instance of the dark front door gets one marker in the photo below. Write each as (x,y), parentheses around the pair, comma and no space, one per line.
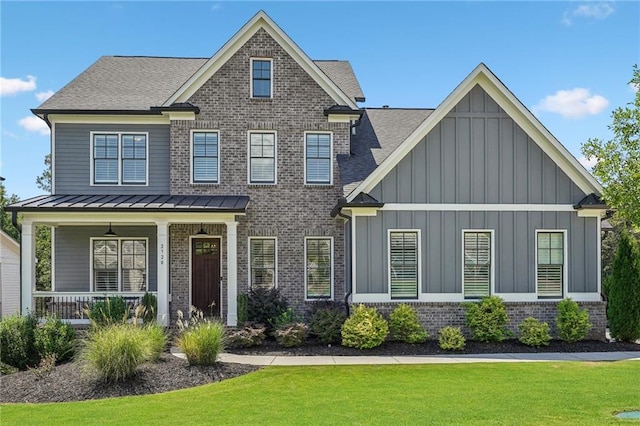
(205,275)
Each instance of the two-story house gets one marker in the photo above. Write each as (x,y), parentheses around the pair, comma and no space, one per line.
(199,178)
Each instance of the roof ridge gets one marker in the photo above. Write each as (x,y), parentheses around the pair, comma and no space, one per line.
(402,108)
(154,57)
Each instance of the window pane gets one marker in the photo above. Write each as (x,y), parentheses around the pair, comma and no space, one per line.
(404,265)
(261,79)
(105,265)
(318,161)
(134,171)
(477,264)
(318,171)
(105,171)
(550,268)
(263,263)
(318,268)
(134,265)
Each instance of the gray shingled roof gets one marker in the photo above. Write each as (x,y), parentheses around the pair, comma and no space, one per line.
(136,83)
(380,132)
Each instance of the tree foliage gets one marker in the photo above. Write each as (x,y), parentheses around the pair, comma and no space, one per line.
(5,217)
(618,160)
(44,180)
(623,309)
(43,235)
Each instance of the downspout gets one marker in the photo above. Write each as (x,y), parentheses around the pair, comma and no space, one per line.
(349,271)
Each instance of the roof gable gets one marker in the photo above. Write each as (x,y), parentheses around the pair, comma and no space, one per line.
(260,20)
(483,77)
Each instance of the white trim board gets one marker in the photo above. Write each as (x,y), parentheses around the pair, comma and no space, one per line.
(483,77)
(479,207)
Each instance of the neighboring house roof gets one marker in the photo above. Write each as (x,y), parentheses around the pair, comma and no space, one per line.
(483,77)
(147,203)
(380,132)
(9,243)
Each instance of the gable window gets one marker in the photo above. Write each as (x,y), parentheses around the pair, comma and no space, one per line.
(403,264)
(205,157)
(262,258)
(317,155)
(261,78)
(119,265)
(119,158)
(550,267)
(477,263)
(318,265)
(262,158)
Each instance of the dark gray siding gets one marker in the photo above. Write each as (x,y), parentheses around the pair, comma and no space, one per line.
(73,251)
(477,154)
(73,159)
(441,246)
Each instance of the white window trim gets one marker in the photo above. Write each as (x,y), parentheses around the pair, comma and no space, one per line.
(275,279)
(419,242)
(305,268)
(119,239)
(191,167)
(92,177)
(330,183)
(275,157)
(191,238)
(492,283)
(565,269)
(251,78)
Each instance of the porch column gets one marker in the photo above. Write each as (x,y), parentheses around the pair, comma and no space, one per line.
(28,270)
(232,273)
(163,272)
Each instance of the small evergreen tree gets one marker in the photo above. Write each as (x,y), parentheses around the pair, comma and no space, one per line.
(623,309)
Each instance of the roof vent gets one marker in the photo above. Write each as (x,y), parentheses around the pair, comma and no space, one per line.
(385,106)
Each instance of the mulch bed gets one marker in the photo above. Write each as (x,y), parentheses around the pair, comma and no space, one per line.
(68,382)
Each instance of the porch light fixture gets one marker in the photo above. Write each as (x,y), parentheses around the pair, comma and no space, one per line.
(202,231)
(110,232)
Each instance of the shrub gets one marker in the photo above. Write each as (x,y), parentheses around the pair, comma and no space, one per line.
(156,339)
(404,325)
(200,339)
(17,341)
(264,306)
(572,322)
(292,334)
(243,314)
(110,311)
(487,319)
(6,369)
(451,339)
(534,332)
(149,304)
(623,309)
(327,319)
(247,336)
(54,337)
(364,329)
(287,317)
(114,352)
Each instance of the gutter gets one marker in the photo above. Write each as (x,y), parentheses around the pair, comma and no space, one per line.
(347,294)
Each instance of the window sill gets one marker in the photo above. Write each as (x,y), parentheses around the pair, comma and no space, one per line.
(318,185)
(205,183)
(254,184)
(259,100)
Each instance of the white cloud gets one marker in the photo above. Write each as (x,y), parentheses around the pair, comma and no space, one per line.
(11,86)
(588,164)
(43,96)
(574,103)
(593,10)
(34,124)
(216,6)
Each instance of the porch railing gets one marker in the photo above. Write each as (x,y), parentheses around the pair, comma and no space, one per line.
(71,306)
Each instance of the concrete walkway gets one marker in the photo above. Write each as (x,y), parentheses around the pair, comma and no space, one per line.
(427,359)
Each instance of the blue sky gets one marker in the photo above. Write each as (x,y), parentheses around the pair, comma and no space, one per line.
(569,62)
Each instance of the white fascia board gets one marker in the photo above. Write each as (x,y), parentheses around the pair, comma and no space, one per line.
(479,207)
(513,107)
(592,212)
(126,218)
(260,20)
(342,118)
(109,119)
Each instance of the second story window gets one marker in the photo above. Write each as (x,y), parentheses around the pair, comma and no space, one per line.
(262,158)
(261,78)
(205,157)
(317,154)
(119,158)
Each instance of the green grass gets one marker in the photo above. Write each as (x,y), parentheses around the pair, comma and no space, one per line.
(523,393)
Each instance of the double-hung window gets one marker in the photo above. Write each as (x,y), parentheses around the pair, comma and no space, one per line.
(119,158)
(404,264)
(477,263)
(119,264)
(262,158)
(550,268)
(261,78)
(263,260)
(317,155)
(318,263)
(205,157)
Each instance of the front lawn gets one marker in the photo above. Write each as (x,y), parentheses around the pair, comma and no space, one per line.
(521,393)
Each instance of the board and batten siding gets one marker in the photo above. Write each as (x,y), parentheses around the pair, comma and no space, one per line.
(73,254)
(441,248)
(73,159)
(477,154)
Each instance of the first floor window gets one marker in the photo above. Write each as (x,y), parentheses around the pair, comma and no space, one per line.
(119,158)
(262,158)
(119,265)
(403,255)
(318,268)
(262,258)
(477,264)
(317,155)
(550,267)
(205,157)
